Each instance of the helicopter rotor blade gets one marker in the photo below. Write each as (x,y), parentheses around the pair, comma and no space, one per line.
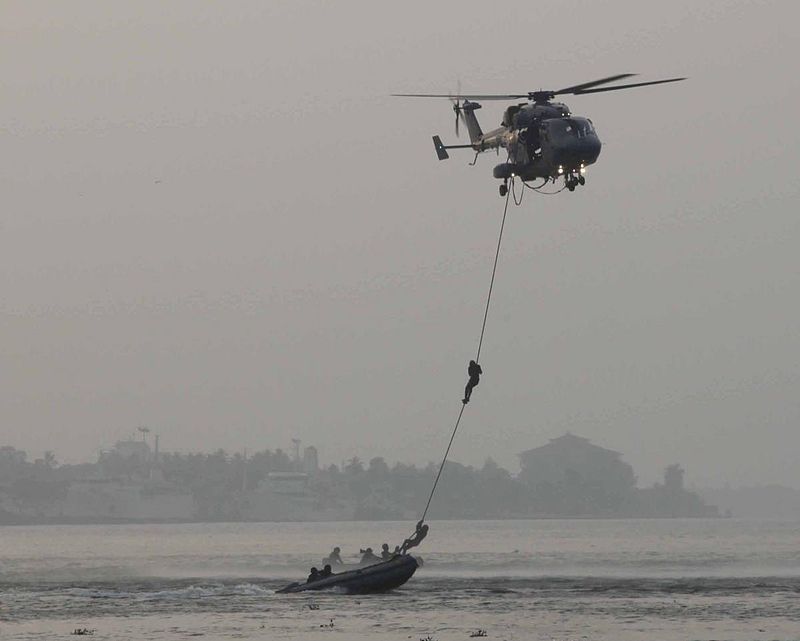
(635,84)
(463,97)
(593,83)
(576,90)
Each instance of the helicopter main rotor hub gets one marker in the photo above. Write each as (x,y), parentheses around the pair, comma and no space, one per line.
(541,97)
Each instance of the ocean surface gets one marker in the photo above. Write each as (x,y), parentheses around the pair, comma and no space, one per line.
(548,579)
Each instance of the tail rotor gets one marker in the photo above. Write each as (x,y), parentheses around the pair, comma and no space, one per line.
(456,107)
(459,115)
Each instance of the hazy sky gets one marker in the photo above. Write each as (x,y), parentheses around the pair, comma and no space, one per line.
(216,222)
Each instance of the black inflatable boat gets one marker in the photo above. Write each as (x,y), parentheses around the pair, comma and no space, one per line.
(380,577)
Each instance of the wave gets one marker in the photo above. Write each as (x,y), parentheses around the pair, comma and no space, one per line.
(179,590)
(149,592)
(633,587)
(424,593)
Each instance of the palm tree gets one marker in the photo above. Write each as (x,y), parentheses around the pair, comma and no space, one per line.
(50,459)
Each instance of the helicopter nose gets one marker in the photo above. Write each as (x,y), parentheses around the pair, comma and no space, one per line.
(579,153)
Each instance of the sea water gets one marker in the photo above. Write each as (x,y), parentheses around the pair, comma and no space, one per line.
(543,579)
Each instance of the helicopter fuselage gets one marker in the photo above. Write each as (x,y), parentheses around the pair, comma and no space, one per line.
(542,140)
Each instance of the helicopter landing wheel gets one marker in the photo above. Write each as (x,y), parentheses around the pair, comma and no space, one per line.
(581,180)
(503,189)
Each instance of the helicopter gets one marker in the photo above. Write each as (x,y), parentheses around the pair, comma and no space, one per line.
(543,138)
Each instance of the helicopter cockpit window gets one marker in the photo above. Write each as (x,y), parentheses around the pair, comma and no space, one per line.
(561,129)
(580,127)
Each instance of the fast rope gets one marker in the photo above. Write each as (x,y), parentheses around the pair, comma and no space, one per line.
(441,467)
(514,191)
(477,357)
(494,271)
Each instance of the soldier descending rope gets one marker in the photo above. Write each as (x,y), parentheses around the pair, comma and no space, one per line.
(415,539)
(474,370)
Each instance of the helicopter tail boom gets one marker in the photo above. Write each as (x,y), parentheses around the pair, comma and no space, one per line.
(441,148)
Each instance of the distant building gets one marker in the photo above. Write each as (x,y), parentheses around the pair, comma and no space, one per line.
(310,460)
(671,499)
(571,475)
(102,499)
(9,454)
(138,450)
(673,478)
(126,459)
(552,463)
(284,483)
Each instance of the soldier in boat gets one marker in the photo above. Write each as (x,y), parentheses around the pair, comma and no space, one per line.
(335,557)
(369,557)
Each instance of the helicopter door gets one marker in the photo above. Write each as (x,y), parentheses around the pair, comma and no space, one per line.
(545,141)
(530,137)
(508,116)
(544,133)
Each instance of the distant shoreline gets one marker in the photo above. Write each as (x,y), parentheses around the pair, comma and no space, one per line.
(22,522)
